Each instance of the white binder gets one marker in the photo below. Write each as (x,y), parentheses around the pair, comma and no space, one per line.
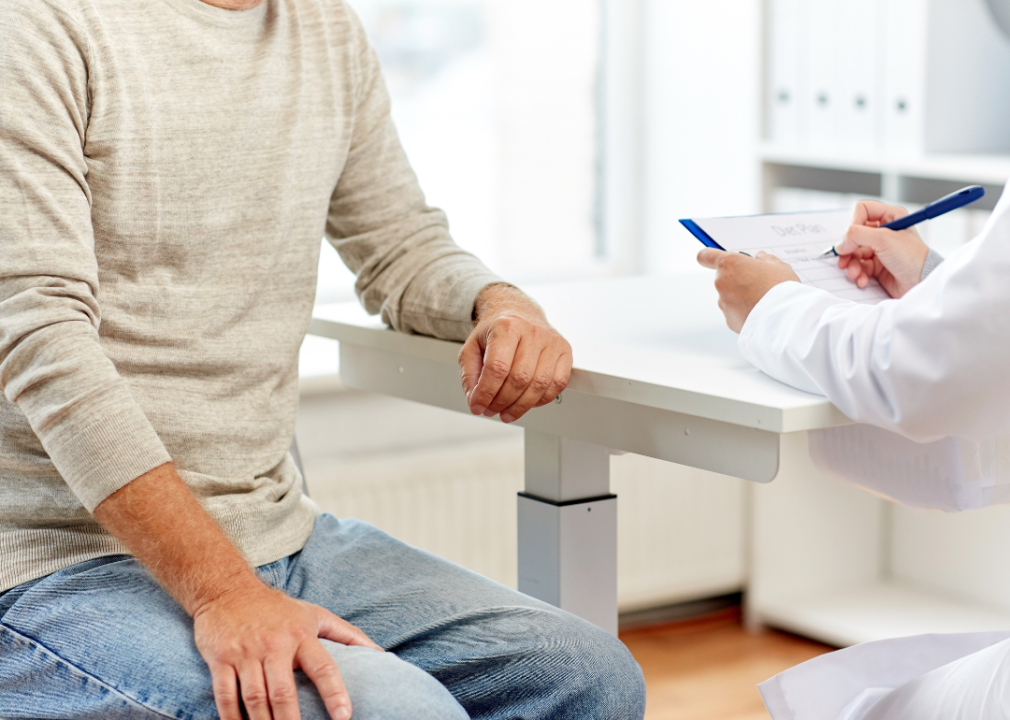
(785,101)
(824,69)
(905,73)
(861,86)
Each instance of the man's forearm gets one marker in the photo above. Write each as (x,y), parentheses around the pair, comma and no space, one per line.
(159,520)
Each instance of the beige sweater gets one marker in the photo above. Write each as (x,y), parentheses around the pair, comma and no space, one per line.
(167,169)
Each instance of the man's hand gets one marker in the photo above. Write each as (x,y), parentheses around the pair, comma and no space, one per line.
(895,258)
(742,281)
(253,637)
(513,360)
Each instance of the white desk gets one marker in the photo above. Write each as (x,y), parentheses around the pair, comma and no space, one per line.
(657,373)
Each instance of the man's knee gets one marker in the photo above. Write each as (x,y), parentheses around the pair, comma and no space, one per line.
(577,671)
(382,687)
(609,683)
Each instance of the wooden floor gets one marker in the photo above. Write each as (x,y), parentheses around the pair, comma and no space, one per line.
(707,669)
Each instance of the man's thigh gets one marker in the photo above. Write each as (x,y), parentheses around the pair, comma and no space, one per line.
(501,654)
(102,640)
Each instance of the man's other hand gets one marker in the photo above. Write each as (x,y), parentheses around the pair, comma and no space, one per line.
(895,258)
(254,637)
(742,281)
(513,360)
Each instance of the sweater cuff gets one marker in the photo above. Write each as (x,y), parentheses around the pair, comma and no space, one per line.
(449,313)
(108,453)
(933,261)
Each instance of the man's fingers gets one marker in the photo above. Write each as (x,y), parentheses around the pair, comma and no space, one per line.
(281,689)
(709,257)
(562,374)
(321,669)
(340,631)
(540,385)
(520,376)
(253,687)
(225,685)
(503,340)
(471,361)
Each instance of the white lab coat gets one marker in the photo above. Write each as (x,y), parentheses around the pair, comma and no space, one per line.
(933,366)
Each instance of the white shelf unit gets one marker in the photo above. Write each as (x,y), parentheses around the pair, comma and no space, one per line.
(914,181)
(879,610)
(832,562)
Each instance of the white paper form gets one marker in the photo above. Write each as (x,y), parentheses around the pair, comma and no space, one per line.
(798,239)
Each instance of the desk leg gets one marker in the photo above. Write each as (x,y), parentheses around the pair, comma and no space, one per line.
(568,528)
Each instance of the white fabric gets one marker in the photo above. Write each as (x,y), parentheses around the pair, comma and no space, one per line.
(916,678)
(949,474)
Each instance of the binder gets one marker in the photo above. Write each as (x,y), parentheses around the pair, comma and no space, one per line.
(905,78)
(861,86)
(785,93)
(824,68)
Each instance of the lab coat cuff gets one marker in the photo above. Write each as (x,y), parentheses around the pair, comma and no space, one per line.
(774,299)
(769,336)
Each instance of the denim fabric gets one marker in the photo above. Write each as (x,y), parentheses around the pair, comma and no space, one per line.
(102,640)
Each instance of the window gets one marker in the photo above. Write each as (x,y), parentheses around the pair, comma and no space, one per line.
(495,102)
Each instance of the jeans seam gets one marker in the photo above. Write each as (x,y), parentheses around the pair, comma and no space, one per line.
(59,658)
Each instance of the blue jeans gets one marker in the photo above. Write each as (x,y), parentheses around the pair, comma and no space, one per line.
(103,640)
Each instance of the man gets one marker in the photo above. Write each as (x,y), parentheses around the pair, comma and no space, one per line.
(166,171)
(929,364)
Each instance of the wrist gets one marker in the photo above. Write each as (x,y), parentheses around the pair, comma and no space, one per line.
(500,298)
(241,582)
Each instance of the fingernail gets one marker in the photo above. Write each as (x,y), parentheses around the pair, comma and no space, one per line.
(478,409)
(506,418)
(341,713)
(489,413)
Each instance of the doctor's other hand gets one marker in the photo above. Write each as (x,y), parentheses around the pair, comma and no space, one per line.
(742,281)
(894,257)
(513,360)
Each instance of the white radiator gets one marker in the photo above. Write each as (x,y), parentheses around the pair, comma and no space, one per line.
(680,536)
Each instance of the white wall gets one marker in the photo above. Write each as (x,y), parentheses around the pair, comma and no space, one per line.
(701,120)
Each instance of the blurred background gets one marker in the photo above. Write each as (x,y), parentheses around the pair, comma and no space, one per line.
(564,139)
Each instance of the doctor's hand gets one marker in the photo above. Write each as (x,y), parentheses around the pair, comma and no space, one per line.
(742,281)
(894,258)
(513,360)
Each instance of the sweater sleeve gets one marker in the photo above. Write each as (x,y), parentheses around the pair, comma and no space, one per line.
(929,365)
(407,265)
(52,365)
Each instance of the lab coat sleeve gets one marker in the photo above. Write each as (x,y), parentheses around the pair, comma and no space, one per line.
(934,363)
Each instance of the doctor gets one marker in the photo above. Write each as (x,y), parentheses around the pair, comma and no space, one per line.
(934,362)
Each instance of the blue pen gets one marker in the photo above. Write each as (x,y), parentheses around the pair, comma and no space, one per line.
(935,209)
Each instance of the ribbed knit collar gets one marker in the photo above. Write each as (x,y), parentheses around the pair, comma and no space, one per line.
(239,20)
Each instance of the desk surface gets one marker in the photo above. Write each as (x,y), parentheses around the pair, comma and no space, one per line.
(654,341)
